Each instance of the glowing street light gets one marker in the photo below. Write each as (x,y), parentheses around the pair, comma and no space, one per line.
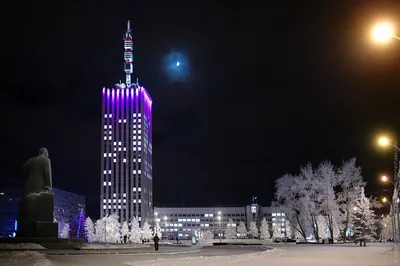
(383,32)
(178,63)
(384,178)
(385,142)
(384,200)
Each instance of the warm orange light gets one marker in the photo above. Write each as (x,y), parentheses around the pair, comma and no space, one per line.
(384,178)
(382,32)
(384,199)
(383,141)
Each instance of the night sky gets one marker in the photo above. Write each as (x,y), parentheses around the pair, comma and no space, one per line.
(264,89)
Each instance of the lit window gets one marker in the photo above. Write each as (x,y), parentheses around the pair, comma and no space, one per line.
(105,154)
(134,143)
(140,201)
(119,149)
(274,214)
(124,160)
(105,138)
(110,132)
(104,207)
(109,171)
(134,201)
(139,160)
(139,132)
(115,160)
(206,215)
(134,189)
(109,138)
(124,195)
(104,200)
(104,183)
(109,183)
(139,188)
(211,215)
(115,155)
(278,214)
(115,195)
(105,172)
(134,115)
(139,172)
(124,148)
(109,126)
(124,120)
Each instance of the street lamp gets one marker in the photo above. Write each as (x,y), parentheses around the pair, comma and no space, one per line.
(384,200)
(219,226)
(383,32)
(394,205)
(385,142)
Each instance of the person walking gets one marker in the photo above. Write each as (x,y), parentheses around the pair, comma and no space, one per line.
(156,239)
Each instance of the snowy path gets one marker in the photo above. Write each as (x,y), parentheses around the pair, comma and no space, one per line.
(287,255)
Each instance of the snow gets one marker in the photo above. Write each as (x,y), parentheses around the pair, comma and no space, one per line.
(112,246)
(21,246)
(23,258)
(304,256)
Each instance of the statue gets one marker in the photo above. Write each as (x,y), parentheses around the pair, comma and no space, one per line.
(36,204)
(39,169)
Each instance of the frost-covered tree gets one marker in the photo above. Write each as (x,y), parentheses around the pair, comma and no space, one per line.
(157,230)
(325,196)
(100,231)
(65,231)
(276,230)
(350,182)
(89,230)
(264,229)
(363,216)
(146,231)
(387,224)
(124,229)
(230,232)
(289,196)
(208,235)
(241,230)
(113,228)
(135,233)
(253,230)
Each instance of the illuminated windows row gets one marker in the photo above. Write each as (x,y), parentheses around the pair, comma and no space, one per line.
(115,201)
(134,115)
(134,171)
(209,215)
(278,214)
(189,220)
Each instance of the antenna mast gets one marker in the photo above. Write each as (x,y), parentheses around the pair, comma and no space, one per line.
(128,55)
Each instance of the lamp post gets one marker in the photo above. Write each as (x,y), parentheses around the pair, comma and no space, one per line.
(219,226)
(165,226)
(385,142)
(391,210)
(155,222)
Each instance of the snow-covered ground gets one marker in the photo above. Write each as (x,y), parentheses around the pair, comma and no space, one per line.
(293,256)
(31,246)
(288,255)
(23,258)
(113,246)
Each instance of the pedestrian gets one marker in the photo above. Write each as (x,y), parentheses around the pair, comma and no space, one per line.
(156,239)
(177,240)
(125,238)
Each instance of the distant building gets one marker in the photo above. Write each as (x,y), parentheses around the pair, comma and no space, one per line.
(182,222)
(126,181)
(67,206)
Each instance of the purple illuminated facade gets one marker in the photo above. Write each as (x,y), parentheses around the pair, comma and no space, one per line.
(126,151)
(126,180)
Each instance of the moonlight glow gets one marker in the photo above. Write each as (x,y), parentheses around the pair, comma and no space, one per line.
(176,67)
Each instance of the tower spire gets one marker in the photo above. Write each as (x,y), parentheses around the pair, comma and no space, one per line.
(128,54)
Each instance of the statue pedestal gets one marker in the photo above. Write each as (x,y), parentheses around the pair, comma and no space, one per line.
(36,215)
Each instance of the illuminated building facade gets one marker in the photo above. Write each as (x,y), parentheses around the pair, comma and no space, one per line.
(126,150)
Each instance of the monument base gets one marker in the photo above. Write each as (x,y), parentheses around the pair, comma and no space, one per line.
(47,243)
(38,229)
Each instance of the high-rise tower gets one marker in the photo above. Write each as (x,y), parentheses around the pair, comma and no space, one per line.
(126,150)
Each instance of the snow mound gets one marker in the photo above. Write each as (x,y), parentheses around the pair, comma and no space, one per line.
(21,246)
(209,260)
(111,246)
(23,258)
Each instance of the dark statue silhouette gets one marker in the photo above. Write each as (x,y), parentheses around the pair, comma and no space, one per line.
(39,169)
(36,204)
